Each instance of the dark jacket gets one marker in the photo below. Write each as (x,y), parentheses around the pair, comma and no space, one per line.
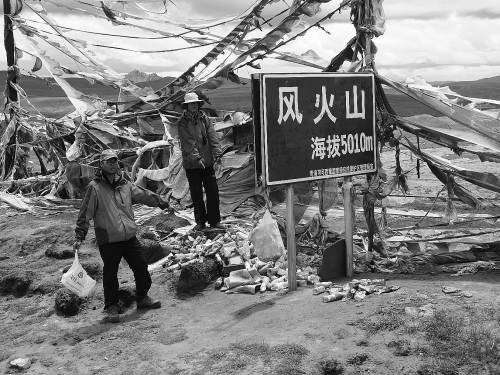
(110,206)
(199,140)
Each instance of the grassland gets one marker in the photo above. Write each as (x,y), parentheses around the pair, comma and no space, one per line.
(51,101)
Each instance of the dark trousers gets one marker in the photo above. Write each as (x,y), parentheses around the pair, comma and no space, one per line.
(205,178)
(111,255)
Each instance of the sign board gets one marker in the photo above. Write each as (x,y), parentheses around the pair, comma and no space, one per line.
(316,126)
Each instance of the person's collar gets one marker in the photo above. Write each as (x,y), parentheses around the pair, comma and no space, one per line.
(116,181)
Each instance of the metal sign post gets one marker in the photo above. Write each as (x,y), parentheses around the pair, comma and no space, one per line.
(290,240)
(348,223)
(315,126)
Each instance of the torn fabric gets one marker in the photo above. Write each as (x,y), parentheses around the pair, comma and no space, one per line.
(452,137)
(234,37)
(475,120)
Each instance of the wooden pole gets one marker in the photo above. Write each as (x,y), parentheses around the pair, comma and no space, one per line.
(290,240)
(349,224)
(368,38)
(10,50)
(8,159)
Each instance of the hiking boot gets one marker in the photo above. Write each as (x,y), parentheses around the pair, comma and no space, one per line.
(148,303)
(112,314)
(199,227)
(218,226)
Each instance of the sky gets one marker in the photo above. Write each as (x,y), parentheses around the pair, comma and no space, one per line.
(446,40)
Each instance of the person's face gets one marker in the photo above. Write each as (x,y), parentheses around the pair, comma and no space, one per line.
(110,166)
(193,107)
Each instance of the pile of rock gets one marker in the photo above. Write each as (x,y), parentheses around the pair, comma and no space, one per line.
(242,270)
(356,289)
(228,248)
(264,276)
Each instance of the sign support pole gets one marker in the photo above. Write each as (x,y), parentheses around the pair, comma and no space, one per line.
(290,237)
(348,219)
(286,146)
(9,158)
(10,51)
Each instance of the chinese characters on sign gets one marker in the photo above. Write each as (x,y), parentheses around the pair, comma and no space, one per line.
(317,126)
(348,144)
(289,96)
(325,106)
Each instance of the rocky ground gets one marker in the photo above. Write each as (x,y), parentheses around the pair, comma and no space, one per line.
(418,329)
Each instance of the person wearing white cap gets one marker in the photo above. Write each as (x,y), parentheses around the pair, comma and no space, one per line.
(200,151)
(108,202)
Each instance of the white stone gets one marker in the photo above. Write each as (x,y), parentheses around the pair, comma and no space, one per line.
(21,363)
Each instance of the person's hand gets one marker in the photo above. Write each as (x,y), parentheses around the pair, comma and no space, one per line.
(77,244)
(218,160)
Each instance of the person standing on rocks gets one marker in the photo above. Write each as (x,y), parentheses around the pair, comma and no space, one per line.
(200,152)
(108,202)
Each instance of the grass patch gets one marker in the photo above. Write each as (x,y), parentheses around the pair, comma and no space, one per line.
(400,348)
(385,319)
(357,359)
(437,367)
(464,339)
(331,367)
(391,317)
(283,359)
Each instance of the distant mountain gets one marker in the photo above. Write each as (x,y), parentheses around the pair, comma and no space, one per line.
(230,96)
(485,88)
(36,87)
(138,76)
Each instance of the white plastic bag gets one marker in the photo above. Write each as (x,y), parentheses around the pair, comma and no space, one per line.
(77,280)
(266,239)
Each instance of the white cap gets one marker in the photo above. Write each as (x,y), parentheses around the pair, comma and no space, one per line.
(191,97)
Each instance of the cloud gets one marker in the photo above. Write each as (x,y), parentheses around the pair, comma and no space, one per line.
(489,14)
(453,39)
(442,73)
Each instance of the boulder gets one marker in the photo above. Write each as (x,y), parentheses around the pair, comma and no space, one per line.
(20,363)
(152,250)
(60,253)
(147,235)
(67,303)
(166,222)
(196,277)
(16,283)
(331,367)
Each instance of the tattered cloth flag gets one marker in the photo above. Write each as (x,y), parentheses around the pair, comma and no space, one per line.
(6,167)
(101,73)
(84,104)
(233,38)
(308,8)
(111,16)
(37,66)
(480,122)
(144,126)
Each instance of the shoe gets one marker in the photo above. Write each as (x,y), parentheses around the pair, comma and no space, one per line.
(112,314)
(199,227)
(218,226)
(148,303)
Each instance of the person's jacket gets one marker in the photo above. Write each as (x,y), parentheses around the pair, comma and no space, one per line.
(110,206)
(199,140)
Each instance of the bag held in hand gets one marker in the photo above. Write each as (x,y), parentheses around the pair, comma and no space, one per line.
(77,280)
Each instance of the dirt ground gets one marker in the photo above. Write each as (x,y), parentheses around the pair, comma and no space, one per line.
(415,330)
